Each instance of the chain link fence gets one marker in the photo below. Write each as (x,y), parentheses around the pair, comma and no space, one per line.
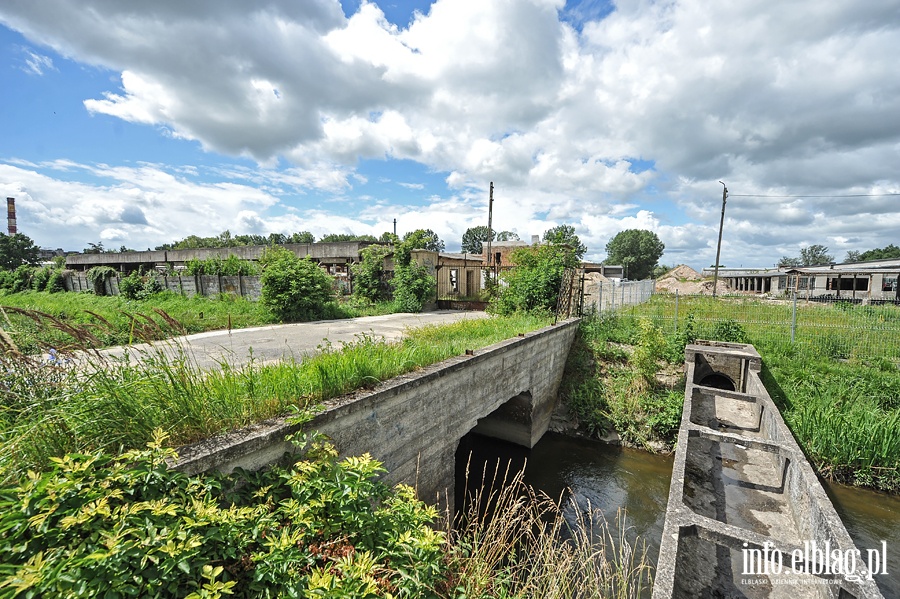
(608,296)
(840,330)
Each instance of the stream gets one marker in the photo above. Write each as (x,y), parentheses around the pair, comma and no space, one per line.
(602,477)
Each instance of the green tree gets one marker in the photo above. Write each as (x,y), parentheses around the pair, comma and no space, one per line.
(852,256)
(474,237)
(424,239)
(369,275)
(388,237)
(638,250)
(294,288)
(302,237)
(534,283)
(413,286)
(335,237)
(889,252)
(16,250)
(814,255)
(565,234)
(507,236)
(789,262)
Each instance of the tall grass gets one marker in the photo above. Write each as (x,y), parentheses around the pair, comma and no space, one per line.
(513,542)
(49,409)
(28,317)
(838,384)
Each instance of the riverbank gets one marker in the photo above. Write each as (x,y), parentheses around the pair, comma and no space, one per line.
(622,383)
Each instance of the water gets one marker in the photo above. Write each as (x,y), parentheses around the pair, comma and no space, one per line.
(608,478)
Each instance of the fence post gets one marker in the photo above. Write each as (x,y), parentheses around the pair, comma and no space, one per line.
(676,310)
(794,318)
(613,294)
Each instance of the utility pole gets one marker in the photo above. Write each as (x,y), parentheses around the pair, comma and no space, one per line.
(395,227)
(719,245)
(490,221)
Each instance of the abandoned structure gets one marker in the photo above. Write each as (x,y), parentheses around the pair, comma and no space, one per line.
(874,280)
(335,257)
(746,515)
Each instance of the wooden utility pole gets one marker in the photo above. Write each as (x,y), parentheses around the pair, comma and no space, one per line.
(490,223)
(719,245)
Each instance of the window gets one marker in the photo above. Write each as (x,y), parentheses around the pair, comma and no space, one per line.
(454,280)
(889,284)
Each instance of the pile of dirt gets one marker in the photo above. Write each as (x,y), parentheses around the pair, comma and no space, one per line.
(686,281)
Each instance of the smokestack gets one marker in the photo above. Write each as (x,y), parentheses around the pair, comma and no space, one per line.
(11,215)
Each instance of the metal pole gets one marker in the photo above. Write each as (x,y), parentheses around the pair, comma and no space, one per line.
(719,245)
(794,318)
(395,227)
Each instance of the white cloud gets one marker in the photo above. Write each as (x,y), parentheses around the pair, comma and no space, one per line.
(771,97)
(37,64)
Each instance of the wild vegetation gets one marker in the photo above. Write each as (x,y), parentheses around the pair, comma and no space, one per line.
(838,384)
(50,409)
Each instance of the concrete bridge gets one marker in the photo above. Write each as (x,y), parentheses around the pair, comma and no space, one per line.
(413,423)
(746,516)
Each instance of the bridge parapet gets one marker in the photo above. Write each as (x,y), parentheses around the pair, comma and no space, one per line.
(746,515)
(413,423)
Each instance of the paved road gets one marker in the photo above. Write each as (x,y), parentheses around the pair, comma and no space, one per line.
(277,342)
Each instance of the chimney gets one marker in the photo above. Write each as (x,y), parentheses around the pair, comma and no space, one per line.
(11,215)
(535,239)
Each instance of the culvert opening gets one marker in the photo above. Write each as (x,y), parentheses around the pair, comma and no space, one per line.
(718,381)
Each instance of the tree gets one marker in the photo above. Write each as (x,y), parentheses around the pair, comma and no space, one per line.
(638,250)
(294,288)
(335,237)
(474,237)
(852,256)
(413,286)
(534,283)
(16,250)
(789,262)
(388,237)
(565,235)
(508,236)
(889,252)
(424,239)
(369,276)
(814,255)
(94,248)
(302,237)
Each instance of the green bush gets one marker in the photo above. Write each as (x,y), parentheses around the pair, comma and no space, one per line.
(16,280)
(231,266)
(369,276)
(413,286)
(96,526)
(137,286)
(56,283)
(534,283)
(39,278)
(294,288)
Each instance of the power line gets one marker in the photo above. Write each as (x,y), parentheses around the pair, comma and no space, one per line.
(858,195)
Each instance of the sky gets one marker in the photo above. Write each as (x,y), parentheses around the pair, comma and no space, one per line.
(140,123)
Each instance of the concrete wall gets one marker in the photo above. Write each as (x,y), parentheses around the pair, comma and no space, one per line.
(340,252)
(209,285)
(413,423)
(740,486)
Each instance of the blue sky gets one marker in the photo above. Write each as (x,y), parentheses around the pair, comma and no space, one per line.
(121,126)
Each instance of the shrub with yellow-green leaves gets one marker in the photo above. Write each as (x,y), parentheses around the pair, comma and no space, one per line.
(98,526)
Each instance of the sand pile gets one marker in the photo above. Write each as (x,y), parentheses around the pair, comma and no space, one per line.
(686,280)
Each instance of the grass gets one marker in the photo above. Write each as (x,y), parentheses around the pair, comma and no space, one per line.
(838,384)
(36,320)
(49,409)
(526,548)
